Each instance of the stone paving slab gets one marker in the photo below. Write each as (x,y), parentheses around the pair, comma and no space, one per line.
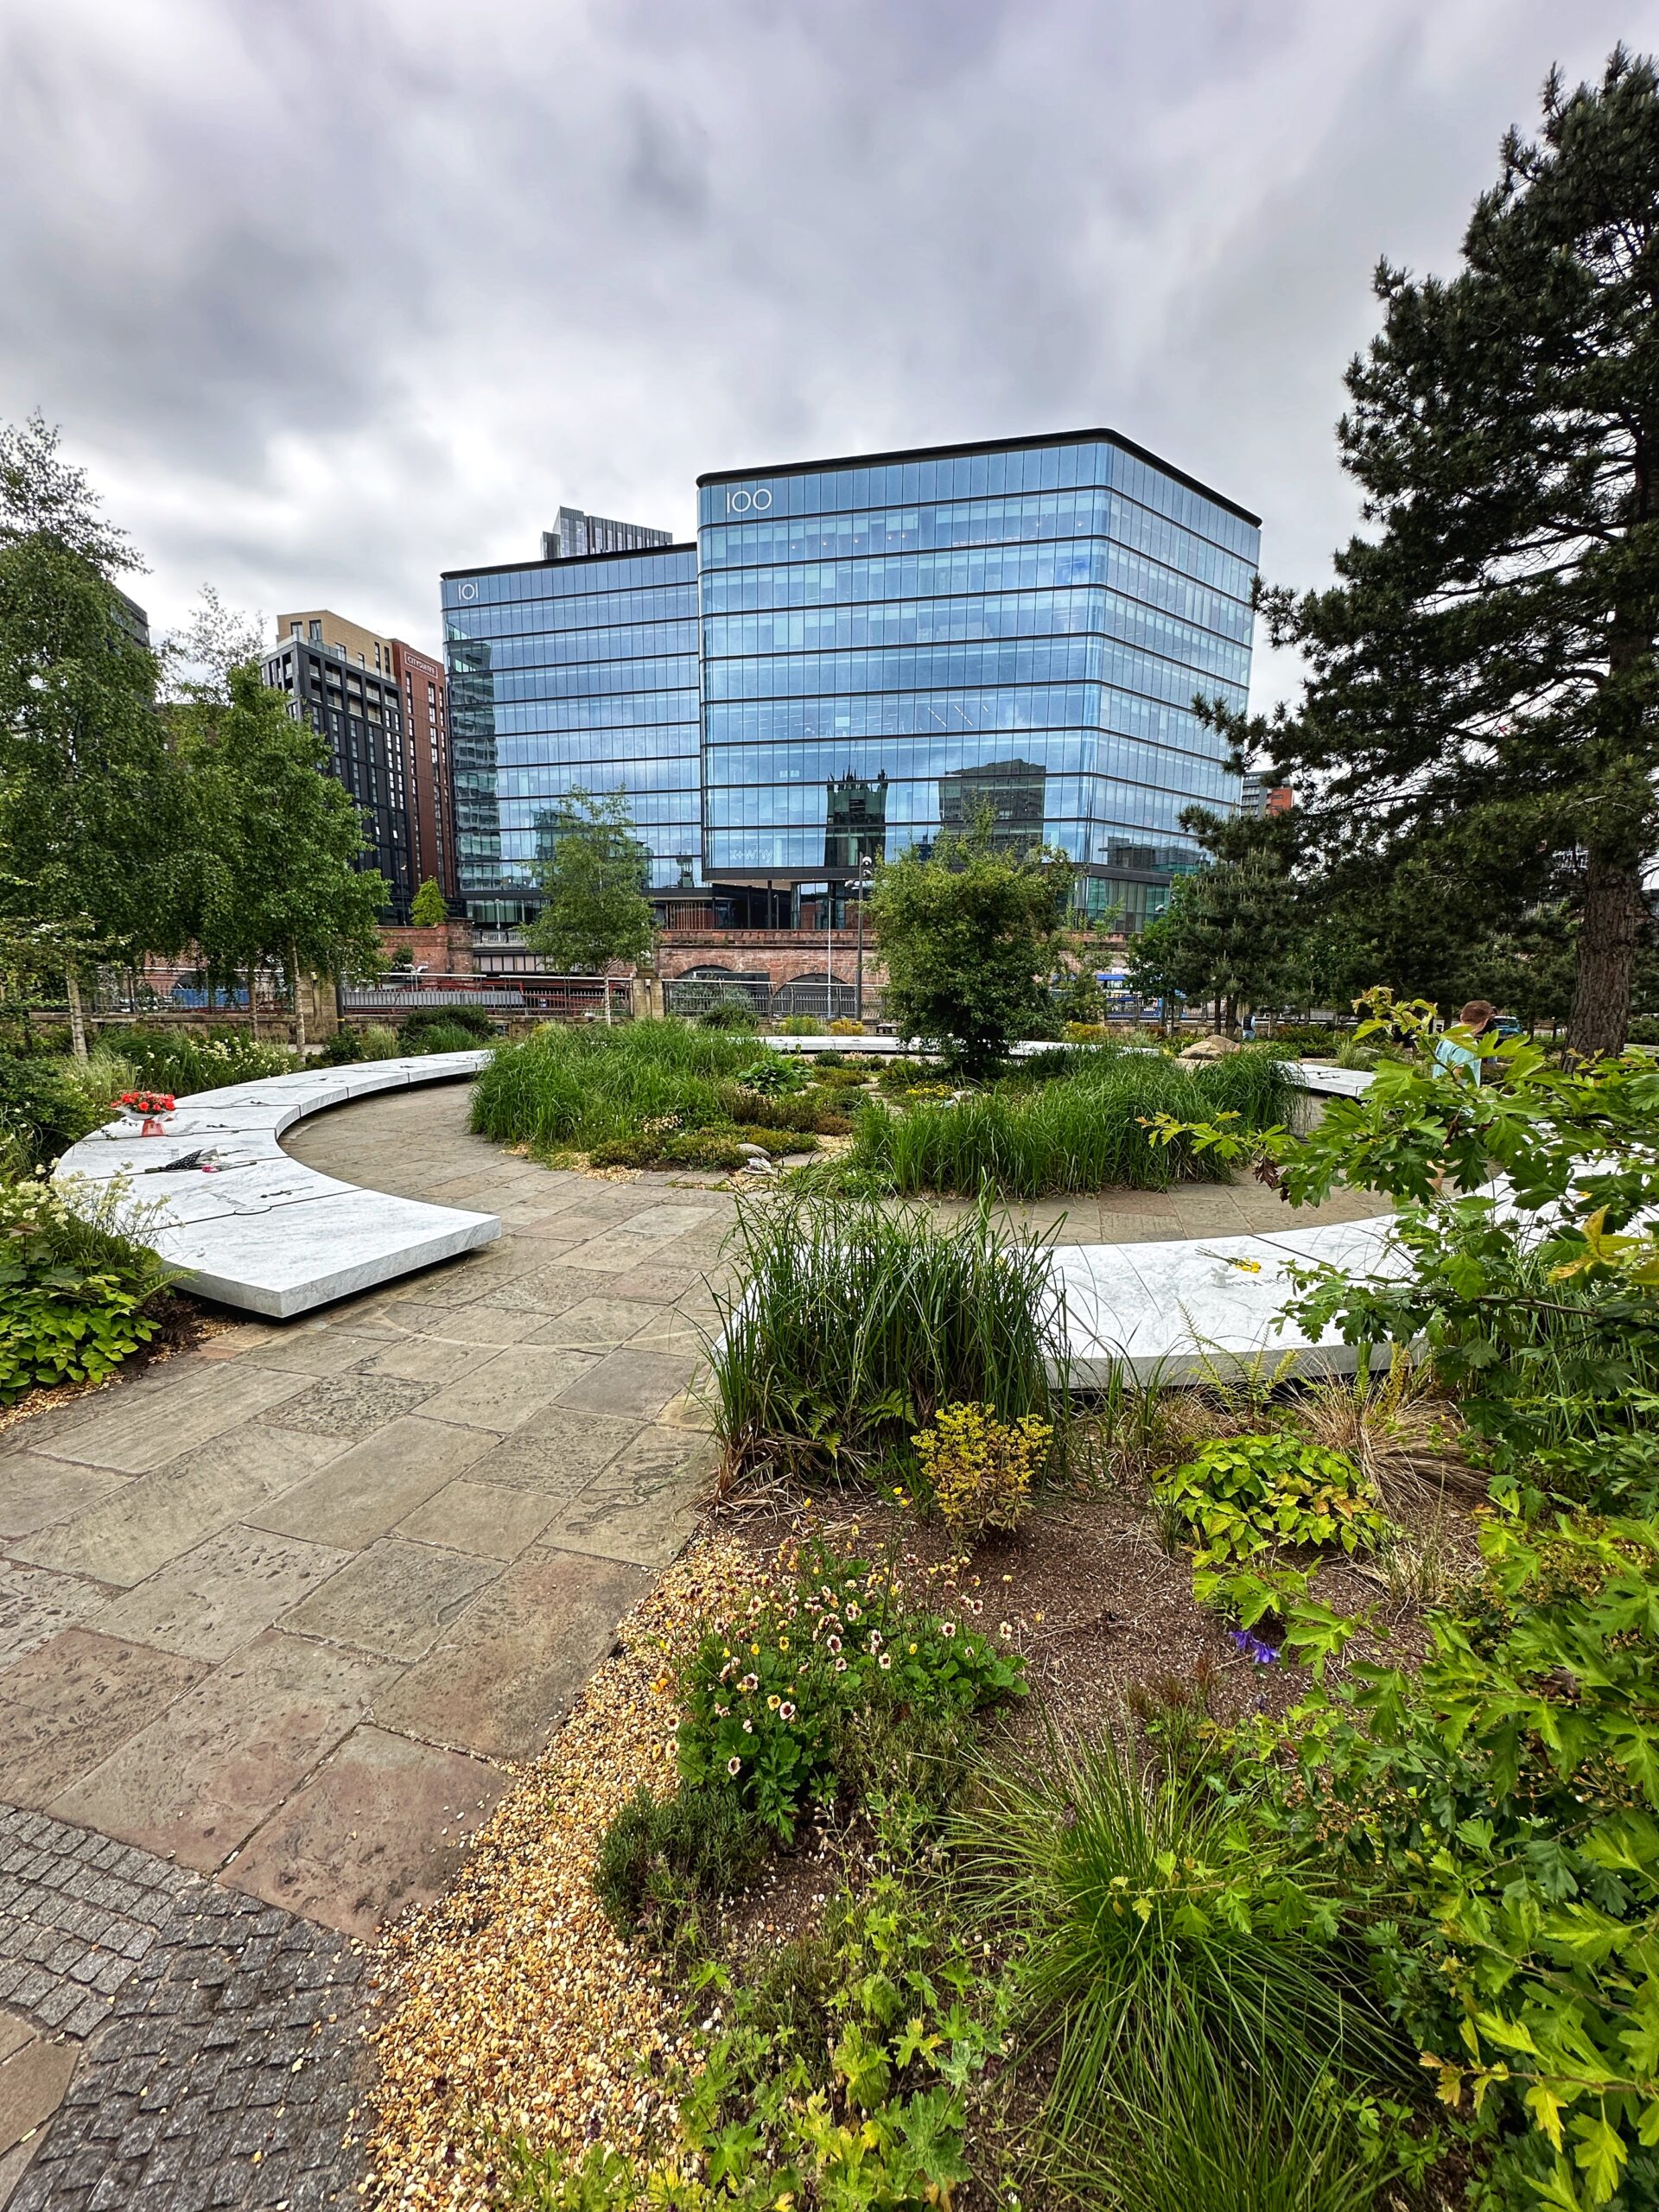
(381,1824)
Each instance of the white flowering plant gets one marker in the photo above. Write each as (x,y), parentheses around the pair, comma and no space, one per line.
(766,1693)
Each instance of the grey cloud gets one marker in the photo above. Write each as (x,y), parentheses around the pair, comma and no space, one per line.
(333,296)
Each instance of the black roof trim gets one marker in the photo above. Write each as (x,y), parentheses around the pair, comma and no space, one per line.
(569,560)
(987,445)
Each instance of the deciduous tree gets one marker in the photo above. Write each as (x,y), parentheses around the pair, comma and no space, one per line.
(967,936)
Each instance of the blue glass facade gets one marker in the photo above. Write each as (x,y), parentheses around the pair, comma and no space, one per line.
(581,671)
(887,646)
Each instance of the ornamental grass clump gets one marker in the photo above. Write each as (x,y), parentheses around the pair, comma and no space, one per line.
(562,1090)
(1149,1911)
(851,1326)
(979,1471)
(1084,1128)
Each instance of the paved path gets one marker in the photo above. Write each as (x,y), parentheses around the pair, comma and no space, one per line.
(273,1616)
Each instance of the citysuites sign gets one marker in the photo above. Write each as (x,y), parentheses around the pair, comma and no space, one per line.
(747,502)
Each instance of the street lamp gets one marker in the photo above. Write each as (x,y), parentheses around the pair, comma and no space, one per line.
(866,877)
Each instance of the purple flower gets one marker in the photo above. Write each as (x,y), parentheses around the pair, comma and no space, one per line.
(1261,1655)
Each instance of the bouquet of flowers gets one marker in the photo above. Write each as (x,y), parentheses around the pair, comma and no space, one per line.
(150,1106)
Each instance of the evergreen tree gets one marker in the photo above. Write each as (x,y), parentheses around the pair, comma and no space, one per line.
(967,936)
(427,909)
(1230,931)
(1484,666)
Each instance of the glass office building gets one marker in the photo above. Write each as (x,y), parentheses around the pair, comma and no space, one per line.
(891,647)
(562,673)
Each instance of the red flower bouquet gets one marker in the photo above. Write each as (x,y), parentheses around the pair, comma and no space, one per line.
(150,1106)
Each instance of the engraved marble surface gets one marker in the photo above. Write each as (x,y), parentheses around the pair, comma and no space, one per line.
(262,1231)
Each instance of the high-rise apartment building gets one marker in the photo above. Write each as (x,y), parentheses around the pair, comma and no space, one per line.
(393,705)
(580,533)
(425,685)
(860,654)
(341,678)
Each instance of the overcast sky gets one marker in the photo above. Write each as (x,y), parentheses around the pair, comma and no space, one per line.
(331,295)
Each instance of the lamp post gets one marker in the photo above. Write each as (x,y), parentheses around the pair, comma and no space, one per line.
(829,950)
(866,876)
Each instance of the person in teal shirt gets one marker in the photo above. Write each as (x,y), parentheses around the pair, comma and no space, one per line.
(1451,1053)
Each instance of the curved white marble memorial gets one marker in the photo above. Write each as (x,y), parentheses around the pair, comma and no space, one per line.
(259,1230)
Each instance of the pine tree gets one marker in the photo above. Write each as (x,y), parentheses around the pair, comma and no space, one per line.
(1484,666)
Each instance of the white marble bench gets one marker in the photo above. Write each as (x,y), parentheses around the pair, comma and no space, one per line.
(262,1231)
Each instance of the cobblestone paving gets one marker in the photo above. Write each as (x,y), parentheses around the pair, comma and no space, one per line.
(215,2035)
(78,1915)
(223,2076)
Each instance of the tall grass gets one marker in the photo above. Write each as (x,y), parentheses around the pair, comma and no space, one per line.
(1082,1129)
(1145,1911)
(1207,2137)
(853,1324)
(579,1088)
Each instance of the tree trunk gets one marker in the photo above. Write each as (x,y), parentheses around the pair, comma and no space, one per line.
(253,1003)
(77,1017)
(299,1009)
(1607,934)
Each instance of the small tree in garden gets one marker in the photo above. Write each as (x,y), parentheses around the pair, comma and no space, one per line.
(281,839)
(428,910)
(91,818)
(967,934)
(594,877)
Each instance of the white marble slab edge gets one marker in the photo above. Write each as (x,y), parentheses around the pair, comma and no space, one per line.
(264,1232)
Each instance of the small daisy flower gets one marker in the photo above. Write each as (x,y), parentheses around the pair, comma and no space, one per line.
(733,1765)
(840,1666)
(772,1702)
(785,1712)
(947,1628)
(885,1661)
(835,1642)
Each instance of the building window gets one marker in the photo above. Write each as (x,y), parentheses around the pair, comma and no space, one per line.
(316,633)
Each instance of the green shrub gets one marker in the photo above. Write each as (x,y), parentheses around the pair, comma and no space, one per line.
(184,1061)
(774,1075)
(1495,1815)
(415,1026)
(563,1089)
(736,1014)
(899,1073)
(821,1116)
(379,1041)
(840,2083)
(341,1050)
(767,1694)
(443,1036)
(800,1024)
(844,1026)
(851,1326)
(1084,1129)
(45,1106)
(1644,1029)
(661,1859)
(1148,1911)
(77,1293)
(1239,1496)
